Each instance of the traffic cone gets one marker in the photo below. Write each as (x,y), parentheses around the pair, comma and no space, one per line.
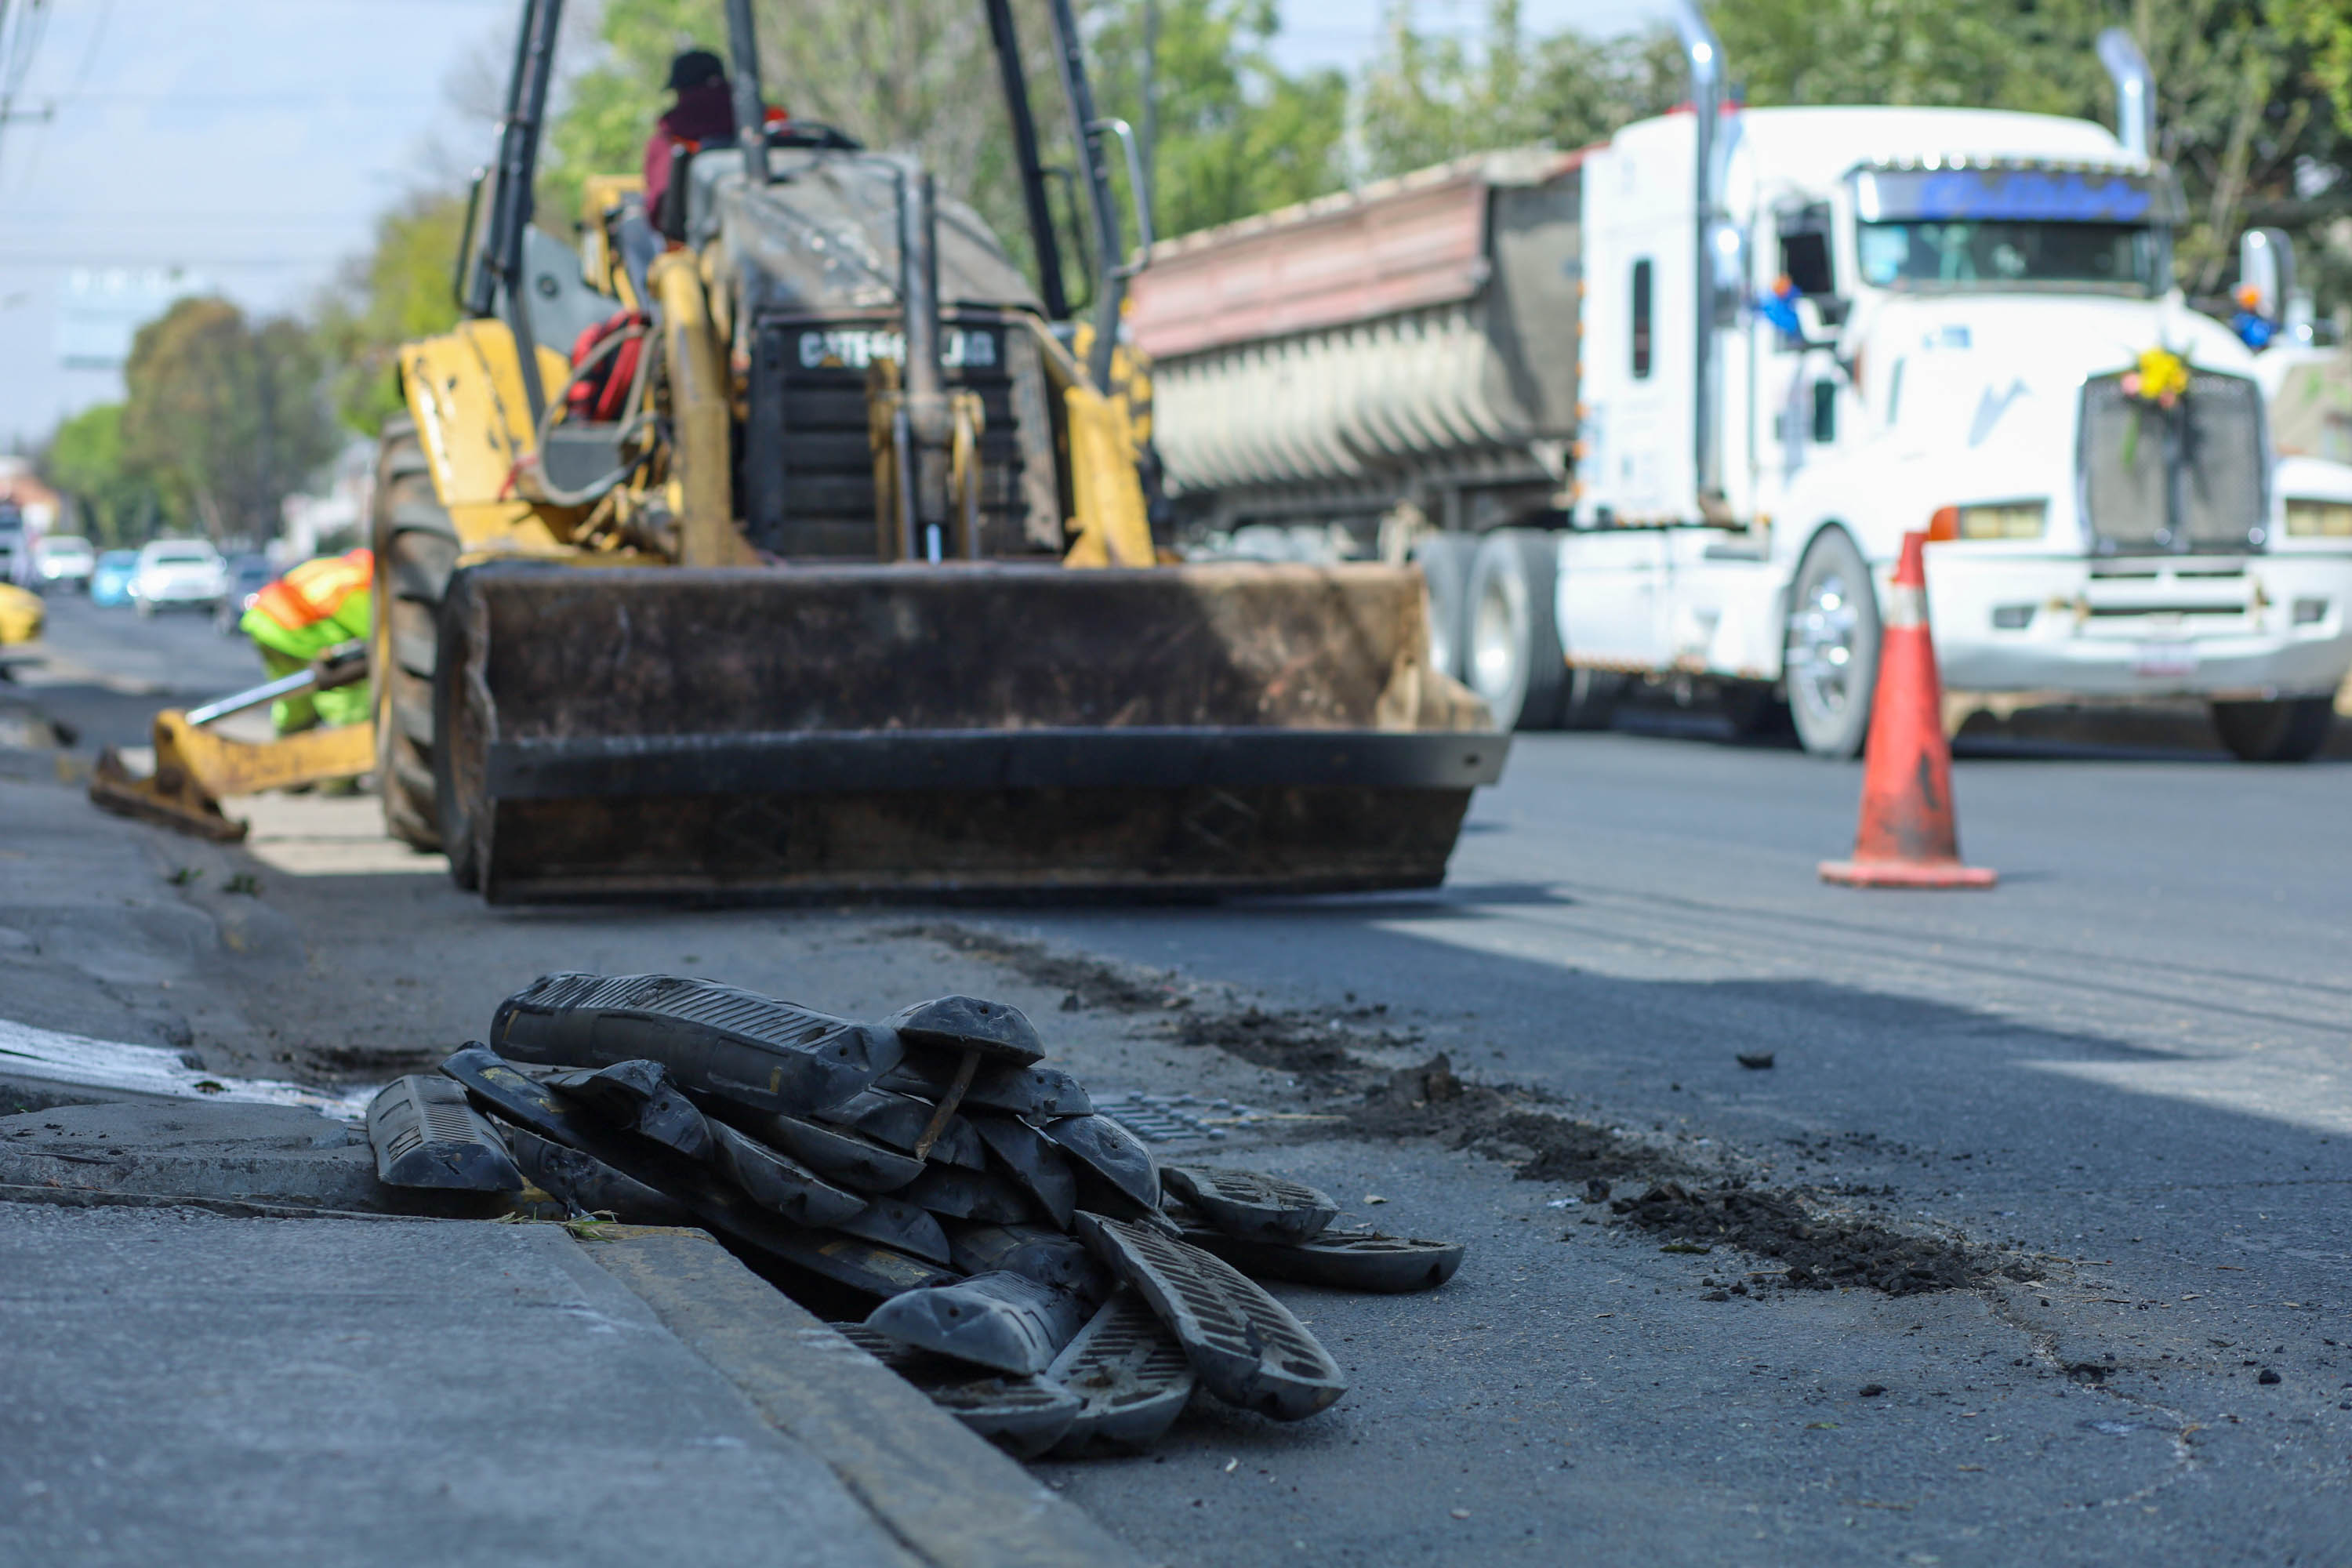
(1907,838)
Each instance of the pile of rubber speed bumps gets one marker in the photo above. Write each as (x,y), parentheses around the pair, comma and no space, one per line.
(1021,1259)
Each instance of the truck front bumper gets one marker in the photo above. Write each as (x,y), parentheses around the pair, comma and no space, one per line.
(2254,627)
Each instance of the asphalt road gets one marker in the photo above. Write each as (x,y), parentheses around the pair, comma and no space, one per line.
(2126,1066)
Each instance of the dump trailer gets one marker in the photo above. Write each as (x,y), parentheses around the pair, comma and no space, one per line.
(1661,411)
(820,565)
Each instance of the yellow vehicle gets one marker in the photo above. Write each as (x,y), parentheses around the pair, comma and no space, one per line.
(820,565)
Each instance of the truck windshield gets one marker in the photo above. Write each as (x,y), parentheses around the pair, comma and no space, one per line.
(2010,253)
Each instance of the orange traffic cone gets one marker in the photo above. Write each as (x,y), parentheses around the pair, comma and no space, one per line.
(1907,838)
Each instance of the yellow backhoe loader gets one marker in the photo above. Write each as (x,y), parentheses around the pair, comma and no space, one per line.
(820,565)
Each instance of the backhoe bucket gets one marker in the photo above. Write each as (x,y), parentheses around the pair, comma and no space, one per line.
(975,730)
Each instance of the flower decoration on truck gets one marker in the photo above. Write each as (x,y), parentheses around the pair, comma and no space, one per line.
(2160,377)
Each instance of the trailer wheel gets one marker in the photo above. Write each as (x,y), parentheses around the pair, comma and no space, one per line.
(2289,731)
(1830,656)
(415,549)
(1513,657)
(1445,560)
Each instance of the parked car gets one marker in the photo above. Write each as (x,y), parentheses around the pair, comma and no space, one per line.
(178,573)
(248,576)
(109,579)
(62,560)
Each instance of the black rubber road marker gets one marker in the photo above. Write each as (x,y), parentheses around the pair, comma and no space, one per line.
(1007,1323)
(1387,1265)
(1037,1166)
(900,1120)
(968,1195)
(716,1039)
(1022,1415)
(586,1186)
(995,1029)
(1248,1348)
(843,1260)
(425,1134)
(1251,1204)
(1130,1376)
(997,1086)
(840,1155)
(637,1095)
(1104,1149)
(1046,1255)
(781,1184)
(896,1223)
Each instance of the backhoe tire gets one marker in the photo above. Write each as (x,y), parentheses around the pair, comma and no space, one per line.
(1445,560)
(1512,645)
(415,549)
(2289,731)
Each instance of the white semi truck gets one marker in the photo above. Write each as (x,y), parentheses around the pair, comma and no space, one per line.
(1663,408)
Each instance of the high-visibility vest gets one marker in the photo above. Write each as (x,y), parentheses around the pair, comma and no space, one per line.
(316,590)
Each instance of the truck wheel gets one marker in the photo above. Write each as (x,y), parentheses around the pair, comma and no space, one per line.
(1830,656)
(1512,647)
(415,549)
(1445,562)
(2289,731)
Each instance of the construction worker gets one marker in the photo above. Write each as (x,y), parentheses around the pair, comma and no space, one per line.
(311,609)
(705,111)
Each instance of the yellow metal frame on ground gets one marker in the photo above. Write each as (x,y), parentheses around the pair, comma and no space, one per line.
(196,770)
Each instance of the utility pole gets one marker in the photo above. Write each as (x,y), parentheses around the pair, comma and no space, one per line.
(1149,82)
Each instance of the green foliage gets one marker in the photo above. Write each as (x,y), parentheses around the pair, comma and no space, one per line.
(226,417)
(85,461)
(1235,135)
(400,291)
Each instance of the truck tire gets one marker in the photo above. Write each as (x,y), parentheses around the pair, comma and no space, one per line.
(2291,730)
(415,549)
(1511,645)
(1830,656)
(1445,560)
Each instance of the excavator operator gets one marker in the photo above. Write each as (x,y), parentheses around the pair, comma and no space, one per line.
(705,111)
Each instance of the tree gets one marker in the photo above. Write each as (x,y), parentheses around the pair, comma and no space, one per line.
(403,289)
(85,461)
(226,417)
(1234,134)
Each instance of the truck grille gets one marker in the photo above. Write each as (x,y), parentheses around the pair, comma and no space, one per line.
(808,472)
(2190,479)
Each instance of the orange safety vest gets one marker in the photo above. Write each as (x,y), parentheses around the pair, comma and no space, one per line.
(315,590)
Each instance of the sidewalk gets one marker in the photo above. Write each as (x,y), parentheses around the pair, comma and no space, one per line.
(189,1386)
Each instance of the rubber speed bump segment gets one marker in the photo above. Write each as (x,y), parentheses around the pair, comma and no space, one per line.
(896,1223)
(1022,1415)
(958,1194)
(1130,1376)
(997,1030)
(781,1184)
(1251,1204)
(1248,1348)
(873,1270)
(1035,1165)
(637,1095)
(1046,1255)
(1383,1264)
(1127,1179)
(996,1086)
(900,1120)
(716,1039)
(425,1134)
(1006,1322)
(840,1155)
(586,1186)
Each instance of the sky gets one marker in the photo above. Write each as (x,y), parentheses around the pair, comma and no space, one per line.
(254,142)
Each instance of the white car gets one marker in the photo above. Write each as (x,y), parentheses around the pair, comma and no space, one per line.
(62,560)
(178,573)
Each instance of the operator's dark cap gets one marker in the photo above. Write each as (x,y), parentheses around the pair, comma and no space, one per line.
(692,67)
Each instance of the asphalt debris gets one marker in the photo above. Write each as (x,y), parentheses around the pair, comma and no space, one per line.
(1823,1251)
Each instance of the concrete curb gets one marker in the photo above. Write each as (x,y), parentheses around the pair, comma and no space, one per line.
(946,1494)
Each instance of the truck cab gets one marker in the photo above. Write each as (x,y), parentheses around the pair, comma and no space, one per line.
(1834,326)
